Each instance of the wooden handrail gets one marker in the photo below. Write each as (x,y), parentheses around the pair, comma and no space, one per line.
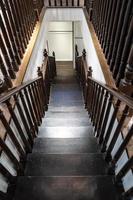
(21,112)
(115,93)
(15,90)
(109,111)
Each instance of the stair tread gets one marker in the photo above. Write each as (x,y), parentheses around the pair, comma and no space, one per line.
(65,122)
(67,108)
(64,188)
(41,164)
(63,115)
(65,132)
(75,145)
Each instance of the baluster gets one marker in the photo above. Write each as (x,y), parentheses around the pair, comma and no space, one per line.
(33,100)
(102,20)
(116,134)
(125,53)
(12,135)
(10,33)
(125,26)
(14,28)
(8,44)
(110,126)
(100,101)
(18,126)
(110,25)
(43,88)
(9,153)
(118,33)
(105,120)
(23,21)
(128,77)
(18,26)
(96,104)
(26,7)
(39,99)
(92,97)
(7,59)
(128,165)
(19,17)
(121,148)
(23,119)
(27,27)
(107,25)
(31,109)
(28,114)
(114,29)
(5,74)
(37,102)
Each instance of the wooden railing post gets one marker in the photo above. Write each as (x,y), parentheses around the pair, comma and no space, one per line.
(87,89)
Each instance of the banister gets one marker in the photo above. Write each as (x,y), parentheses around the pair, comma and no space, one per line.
(17,89)
(115,92)
(110,112)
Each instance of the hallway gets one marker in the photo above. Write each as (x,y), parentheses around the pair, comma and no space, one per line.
(66,162)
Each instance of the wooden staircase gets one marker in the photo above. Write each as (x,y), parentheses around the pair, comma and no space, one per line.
(66,162)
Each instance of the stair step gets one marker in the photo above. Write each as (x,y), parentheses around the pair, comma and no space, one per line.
(41,164)
(65,132)
(53,122)
(66,115)
(64,188)
(76,145)
(67,109)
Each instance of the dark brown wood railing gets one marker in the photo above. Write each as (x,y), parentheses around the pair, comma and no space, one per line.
(113,24)
(21,113)
(110,112)
(64,3)
(18,19)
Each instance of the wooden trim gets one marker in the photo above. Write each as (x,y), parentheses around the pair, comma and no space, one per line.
(27,56)
(104,66)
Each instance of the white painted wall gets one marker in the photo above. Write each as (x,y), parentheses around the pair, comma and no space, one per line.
(60,40)
(65,14)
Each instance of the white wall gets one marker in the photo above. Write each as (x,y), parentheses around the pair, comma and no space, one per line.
(65,14)
(60,40)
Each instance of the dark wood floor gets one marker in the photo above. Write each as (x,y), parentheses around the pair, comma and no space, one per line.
(66,162)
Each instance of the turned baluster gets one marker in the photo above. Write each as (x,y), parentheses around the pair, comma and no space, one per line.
(31,108)
(14,28)
(18,126)
(125,26)
(12,135)
(7,59)
(105,120)
(8,44)
(5,73)
(125,53)
(118,33)
(23,118)
(116,133)
(110,26)
(114,29)
(10,33)
(110,126)
(28,113)
(11,156)
(122,147)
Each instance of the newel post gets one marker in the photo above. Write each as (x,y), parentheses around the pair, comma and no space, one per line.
(87,88)
(43,90)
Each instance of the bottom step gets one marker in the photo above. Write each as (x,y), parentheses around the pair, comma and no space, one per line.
(64,188)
